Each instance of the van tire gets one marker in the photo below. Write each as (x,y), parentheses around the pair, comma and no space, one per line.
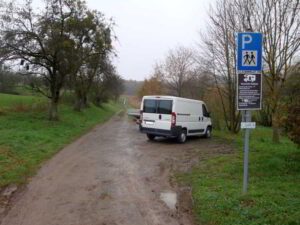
(182,136)
(208,132)
(151,137)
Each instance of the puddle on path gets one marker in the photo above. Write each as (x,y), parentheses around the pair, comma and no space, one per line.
(170,198)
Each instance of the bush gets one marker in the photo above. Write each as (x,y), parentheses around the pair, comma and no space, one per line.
(9,82)
(293,123)
(292,100)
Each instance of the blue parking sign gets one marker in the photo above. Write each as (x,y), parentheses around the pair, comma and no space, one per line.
(249,51)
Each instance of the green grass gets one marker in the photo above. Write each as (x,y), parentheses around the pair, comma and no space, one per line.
(27,138)
(274,185)
(8,101)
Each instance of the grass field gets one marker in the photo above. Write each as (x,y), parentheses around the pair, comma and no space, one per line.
(12,101)
(27,138)
(274,185)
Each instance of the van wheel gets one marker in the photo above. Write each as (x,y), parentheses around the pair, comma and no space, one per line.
(182,136)
(208,132)
(151,137)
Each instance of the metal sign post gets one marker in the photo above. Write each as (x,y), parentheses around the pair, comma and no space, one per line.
(247,118)
(249,86)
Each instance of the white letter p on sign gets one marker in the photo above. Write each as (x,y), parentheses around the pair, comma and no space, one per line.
(246,39)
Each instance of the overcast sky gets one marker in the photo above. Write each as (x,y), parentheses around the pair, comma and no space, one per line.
(147,29)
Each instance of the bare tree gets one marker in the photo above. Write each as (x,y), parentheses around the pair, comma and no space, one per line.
(218,56)
(279,21)
(176,69)
(198,84)
(280,25)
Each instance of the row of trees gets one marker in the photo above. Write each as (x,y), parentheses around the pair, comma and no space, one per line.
(211,66)
(179,74)
(63,46)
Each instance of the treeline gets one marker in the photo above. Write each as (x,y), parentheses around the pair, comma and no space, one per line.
(131,87)
(208,71)
(62,47)
(10,81)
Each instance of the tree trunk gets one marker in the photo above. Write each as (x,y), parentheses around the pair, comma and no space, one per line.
(276,129)
(53,112)
(85,101)
(179,92)
(78,104)
(97,101)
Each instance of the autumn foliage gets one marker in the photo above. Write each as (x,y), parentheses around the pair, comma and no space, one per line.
(151,86)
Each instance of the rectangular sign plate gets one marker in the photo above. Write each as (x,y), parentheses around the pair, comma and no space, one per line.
(248,125)
(249,91)
(249,49)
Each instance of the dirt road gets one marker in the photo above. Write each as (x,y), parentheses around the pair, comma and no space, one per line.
(112,175)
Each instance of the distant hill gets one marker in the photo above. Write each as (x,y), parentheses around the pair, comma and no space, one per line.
(131,87)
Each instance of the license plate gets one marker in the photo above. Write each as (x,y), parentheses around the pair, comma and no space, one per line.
(149,122)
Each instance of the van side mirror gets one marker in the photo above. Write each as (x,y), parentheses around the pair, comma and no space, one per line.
(207,114)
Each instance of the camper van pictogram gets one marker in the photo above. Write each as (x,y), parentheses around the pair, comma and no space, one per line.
(249,78)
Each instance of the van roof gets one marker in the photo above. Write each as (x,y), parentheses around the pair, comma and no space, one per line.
(170,97)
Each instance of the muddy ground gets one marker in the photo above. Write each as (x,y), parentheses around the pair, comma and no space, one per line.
(112,176)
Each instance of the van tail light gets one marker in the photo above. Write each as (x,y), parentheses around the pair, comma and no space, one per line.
(141,116)
(173,119)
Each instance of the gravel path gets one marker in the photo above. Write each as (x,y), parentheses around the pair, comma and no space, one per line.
(112,176)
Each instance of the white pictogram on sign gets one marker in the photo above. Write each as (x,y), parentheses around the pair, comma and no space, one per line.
(249,58)
(249,78)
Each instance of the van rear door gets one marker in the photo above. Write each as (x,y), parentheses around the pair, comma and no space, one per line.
(157,113)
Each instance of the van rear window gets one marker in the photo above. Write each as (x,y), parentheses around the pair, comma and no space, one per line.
(164,107)
(157,106)
(150,106)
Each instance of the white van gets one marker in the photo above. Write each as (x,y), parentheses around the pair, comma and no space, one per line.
(174,117)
